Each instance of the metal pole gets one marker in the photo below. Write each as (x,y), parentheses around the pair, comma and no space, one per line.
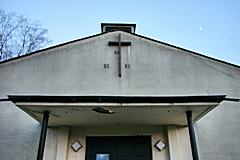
(192,136)
(43,135)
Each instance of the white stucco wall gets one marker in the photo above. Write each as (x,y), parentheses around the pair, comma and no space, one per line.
(80,133)
(156,69)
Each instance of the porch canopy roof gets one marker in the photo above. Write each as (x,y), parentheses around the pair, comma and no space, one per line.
(128,110)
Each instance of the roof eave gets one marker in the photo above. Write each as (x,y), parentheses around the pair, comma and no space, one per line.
(117,99)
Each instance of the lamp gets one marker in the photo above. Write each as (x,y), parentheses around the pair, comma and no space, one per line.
(160,145)
(76,146)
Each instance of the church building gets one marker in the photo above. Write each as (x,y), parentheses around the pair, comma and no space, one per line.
(118,95)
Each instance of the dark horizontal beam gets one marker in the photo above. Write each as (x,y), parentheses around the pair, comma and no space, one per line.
(4,99)
(118,24)
(232,99)
(116,99)
(113,43)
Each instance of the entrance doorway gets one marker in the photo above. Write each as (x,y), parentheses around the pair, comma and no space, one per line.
(119,148)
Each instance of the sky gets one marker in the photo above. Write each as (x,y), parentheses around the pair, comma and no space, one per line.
(209,27)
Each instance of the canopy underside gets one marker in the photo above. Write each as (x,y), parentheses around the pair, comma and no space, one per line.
(128,110)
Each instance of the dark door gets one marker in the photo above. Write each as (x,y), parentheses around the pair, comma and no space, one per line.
(119,148)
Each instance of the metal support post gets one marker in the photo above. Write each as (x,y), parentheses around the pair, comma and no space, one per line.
(192,136)
(43,135)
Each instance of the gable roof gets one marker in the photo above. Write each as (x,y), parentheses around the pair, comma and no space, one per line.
(134,34)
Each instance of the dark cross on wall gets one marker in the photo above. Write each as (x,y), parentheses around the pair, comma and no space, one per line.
(119,43)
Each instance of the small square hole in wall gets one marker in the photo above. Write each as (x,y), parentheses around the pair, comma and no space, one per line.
(127,65)
(106,65)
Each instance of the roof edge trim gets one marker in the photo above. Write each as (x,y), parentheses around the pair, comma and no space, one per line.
(117,99)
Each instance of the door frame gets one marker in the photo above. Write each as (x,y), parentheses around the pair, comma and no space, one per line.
(148,137)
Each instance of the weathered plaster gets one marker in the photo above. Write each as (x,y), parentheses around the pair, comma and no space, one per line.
(156,69)
(62,143)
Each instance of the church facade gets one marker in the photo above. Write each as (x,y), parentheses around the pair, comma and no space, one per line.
(119,96)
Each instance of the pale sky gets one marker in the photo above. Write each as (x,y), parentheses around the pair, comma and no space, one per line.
(210,27)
